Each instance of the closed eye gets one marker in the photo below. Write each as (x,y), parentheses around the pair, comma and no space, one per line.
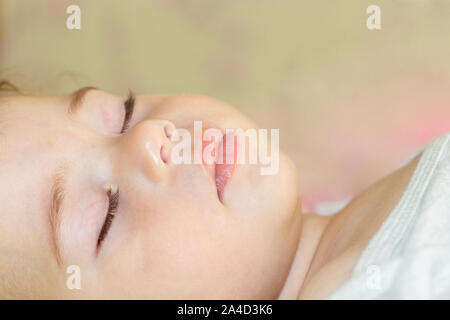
(129,109)
(113,199)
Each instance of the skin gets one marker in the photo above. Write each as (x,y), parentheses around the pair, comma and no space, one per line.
(171,236)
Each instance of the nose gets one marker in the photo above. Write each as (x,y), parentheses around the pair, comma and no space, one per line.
(146,148)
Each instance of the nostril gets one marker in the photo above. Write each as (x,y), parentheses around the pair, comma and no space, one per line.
(168,130)
(164,154)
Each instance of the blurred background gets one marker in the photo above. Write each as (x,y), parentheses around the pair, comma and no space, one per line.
(351,104)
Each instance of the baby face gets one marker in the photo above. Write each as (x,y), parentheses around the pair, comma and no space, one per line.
(85,181)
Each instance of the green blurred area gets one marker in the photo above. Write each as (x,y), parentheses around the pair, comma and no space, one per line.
(344,97)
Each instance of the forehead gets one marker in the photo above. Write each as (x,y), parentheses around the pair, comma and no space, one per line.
(26,163)
(25,108)
(27,124)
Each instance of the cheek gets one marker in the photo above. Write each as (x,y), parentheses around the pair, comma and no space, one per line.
(195,246)
(264,198)
(184,251)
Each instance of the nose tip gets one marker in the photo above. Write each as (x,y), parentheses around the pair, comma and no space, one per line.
(150,145)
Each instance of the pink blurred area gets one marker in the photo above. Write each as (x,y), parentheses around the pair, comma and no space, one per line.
(372,142)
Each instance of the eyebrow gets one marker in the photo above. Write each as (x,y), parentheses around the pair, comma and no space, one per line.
(57,191)
(57,197)
(77,98)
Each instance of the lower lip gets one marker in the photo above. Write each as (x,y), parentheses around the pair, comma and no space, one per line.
(224,170)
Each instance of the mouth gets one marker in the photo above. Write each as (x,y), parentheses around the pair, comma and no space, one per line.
(224,163)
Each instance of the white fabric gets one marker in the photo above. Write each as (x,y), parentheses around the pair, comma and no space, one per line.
(409,256)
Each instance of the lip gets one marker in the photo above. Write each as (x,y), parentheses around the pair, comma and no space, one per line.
(221,171)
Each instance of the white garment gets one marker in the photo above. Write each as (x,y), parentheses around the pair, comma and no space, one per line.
(409,256)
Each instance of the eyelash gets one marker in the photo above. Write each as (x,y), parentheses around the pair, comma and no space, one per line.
(113,199)
(129,109)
